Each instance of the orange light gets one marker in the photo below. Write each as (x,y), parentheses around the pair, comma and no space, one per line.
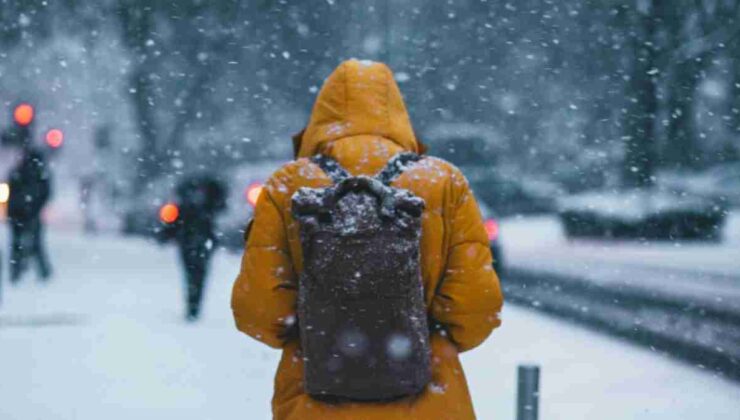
(23,114)
(54,138)
(253,192)
(169,213)
(491,229)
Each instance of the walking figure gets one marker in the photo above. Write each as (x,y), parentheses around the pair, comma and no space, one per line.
(30,190)
(368,265)
(200,199)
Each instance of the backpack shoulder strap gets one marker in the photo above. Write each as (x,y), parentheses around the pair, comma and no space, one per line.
(331,167)
(396,166)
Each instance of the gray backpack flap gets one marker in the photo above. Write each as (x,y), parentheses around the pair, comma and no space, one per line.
(361,312)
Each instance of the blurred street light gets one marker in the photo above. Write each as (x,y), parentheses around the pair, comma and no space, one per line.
(55,138)
(491,226)
(23,114)
(169,213)
(253,193)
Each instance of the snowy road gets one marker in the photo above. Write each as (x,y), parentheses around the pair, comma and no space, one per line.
(681,297)
(707,272)
(106,340)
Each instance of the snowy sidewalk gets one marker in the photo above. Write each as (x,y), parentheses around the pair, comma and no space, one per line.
(106,340)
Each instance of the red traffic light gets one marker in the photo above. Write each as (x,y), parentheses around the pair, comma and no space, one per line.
(253,193)
(55,138)
(169,213)
(23,114)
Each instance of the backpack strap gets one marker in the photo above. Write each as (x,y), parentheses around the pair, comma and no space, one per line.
(396,166)
(331,167)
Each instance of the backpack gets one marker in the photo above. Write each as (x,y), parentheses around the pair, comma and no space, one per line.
(361,312)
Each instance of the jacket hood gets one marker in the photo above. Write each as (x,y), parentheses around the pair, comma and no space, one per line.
(359,98)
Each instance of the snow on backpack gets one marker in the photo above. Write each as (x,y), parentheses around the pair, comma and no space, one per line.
(361,312)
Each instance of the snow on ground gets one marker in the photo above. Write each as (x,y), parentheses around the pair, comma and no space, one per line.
(697,270)
(105,340)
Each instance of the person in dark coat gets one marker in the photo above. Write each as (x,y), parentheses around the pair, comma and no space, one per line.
(200,199)
(30,190)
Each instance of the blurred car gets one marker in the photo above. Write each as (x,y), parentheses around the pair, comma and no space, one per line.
(140,216)
(641,214)
(491,223)
(721,183)
(473,148)
(246,183)
(143,216)
(518,194)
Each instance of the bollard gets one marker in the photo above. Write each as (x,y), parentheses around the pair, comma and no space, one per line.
(528,392)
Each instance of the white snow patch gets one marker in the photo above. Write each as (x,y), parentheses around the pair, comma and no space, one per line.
(399,347)
(402,77)
(121,342)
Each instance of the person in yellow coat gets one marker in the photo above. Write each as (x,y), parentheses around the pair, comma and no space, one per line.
(360,120)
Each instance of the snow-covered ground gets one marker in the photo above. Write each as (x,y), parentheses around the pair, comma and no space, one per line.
(105,340)
(704,271)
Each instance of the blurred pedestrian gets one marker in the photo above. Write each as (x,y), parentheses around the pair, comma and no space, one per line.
(199,200)
(88,185)
(30,190)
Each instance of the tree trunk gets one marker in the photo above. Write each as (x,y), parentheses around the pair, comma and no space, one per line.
(136,21)
(188,111)
(142,96)
(639,157)
(682,149)
(734,111)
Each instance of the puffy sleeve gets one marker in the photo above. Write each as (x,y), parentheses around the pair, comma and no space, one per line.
(468,299)
(264,295)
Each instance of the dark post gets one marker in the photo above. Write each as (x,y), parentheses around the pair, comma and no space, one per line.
(528,392)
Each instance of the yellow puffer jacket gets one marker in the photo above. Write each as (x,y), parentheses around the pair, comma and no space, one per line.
(360,120)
